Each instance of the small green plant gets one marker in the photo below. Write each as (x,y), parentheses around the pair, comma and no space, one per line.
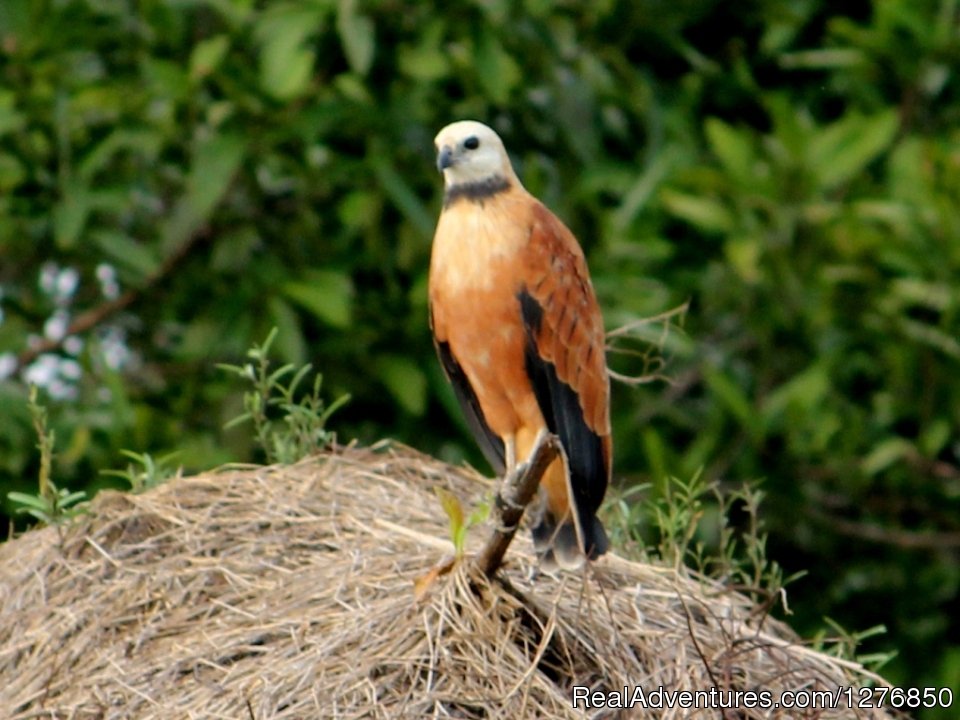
(741,560)
(677,516)
(51,505)
(302,427)
(144,472)
(460,524)
(625,517)
(843,643)
(690,523)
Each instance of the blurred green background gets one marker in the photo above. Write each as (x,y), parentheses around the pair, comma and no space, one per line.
(179,176)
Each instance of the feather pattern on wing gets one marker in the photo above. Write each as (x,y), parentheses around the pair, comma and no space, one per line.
(566,359)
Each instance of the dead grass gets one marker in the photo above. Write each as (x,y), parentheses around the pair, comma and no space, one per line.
(287,592)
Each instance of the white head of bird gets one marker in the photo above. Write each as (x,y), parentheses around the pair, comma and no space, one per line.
(470,153)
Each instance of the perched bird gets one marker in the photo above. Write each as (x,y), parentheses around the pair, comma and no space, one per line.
(519,333)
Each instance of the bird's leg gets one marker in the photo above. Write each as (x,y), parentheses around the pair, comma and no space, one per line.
(510,475)
(537,442)
(515,471)
(510,448)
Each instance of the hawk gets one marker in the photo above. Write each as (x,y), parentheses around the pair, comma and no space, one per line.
(519,333)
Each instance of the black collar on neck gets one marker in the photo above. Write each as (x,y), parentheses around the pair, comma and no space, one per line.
(477,191)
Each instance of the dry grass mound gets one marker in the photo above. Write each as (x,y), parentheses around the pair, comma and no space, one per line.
(287,592)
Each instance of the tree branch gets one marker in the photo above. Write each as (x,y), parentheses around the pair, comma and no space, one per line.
(897,537)
(512,499)
(89,319)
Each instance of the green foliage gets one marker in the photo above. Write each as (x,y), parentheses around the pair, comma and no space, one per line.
(688,523)
(176,178)
(57,506)
(50,505)
(304,419)
(144,472)
(842,643)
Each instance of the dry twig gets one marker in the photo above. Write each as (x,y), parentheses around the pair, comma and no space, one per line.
(515,494)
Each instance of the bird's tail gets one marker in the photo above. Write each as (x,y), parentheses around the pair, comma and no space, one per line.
(555,540)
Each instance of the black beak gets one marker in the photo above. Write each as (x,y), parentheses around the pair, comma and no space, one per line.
(444,158)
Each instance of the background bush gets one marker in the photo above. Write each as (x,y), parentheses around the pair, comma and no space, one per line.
(179,176)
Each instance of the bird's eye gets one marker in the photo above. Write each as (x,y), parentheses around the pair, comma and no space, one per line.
(471,143)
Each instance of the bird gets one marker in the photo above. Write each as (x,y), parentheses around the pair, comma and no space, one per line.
(520,336)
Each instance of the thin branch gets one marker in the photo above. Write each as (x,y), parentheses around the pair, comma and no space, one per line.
(515,494)
(94,316)
(651,355)
(645,379)
(897,537)
(83,322)
(627,328)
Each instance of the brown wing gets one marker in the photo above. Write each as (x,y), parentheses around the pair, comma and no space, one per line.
(565,358)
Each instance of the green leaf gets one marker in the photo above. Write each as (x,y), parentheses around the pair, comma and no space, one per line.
(327,294)
(931,336)
(823,59)
(454,511)
(286,64)
(144,144)
(703,213)
(70,214)
(10,119)
(479,514)
(207,56)
(214,165)
(28,501)
(215,162)
(16,21)
(357,36)
(359,209)
(166,79)
(938,296)
(426,61)
(12,172)
(885,454)
(655,452)
(805,391)
(126,253)
(497,72)
(935,437)
(842,150)
(400,192)
(732,397)
(733,147)
(636,198)
(67,499)
(291,345)
(406,381)
(744,255)
(235,12)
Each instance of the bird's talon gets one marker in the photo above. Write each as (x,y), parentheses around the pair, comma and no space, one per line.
(509,503)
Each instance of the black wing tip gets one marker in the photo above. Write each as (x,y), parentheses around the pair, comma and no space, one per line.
(560,406)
